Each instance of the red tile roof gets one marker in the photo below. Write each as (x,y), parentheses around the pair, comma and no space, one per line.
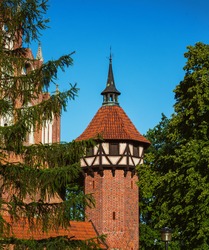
(111,122)
(77,230)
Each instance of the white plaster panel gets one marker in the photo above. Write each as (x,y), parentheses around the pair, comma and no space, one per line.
(140,151)
(114,159)
(105,161)
(123,161)
(82,163)
(89,160)
(97,160)
(136,161)
(131,149)
(95,150)
(122,147)
(106,147)
(131,163)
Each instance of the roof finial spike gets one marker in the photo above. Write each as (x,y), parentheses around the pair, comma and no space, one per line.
(57,89)
(110,93)
(110,55)
(39,55)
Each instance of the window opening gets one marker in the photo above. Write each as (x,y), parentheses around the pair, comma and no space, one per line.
(136,151)
(113,215)
(114,149)
(90,151)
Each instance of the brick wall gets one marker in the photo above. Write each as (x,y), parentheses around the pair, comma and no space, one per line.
(117,209)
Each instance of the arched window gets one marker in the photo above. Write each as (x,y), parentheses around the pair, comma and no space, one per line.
(47,134)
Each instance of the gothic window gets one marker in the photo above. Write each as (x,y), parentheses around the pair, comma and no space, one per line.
(114,149)
(47,132)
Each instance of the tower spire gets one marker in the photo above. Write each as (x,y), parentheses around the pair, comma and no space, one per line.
(39,55)
(110,93)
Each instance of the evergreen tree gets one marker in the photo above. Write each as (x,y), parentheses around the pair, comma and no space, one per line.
(43,169)
(174,181)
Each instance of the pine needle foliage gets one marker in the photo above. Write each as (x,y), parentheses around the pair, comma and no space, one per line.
(40,169)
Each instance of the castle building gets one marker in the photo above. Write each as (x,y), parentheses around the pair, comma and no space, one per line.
(48,133)
(110,173)
(109,167)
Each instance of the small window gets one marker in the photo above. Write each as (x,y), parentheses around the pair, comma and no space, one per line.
(90,151)
(114,149)
(113,215)
(135,151)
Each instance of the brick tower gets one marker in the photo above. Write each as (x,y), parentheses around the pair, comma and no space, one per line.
(110,171)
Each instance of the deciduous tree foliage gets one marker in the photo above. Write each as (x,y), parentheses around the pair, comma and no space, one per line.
(42,169)
(174,180)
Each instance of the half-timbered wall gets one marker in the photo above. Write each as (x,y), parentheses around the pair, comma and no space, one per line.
(106,155)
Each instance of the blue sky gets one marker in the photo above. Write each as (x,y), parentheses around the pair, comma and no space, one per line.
(148,40)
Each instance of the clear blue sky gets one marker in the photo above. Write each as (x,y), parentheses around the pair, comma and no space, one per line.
(148,40)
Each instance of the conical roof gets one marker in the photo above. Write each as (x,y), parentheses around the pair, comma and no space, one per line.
(112,123)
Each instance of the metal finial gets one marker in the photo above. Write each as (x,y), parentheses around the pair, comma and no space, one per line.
(39,55)
(57,88)
(110,55)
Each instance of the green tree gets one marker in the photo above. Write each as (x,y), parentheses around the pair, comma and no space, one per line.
(45,169)
(174,180)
